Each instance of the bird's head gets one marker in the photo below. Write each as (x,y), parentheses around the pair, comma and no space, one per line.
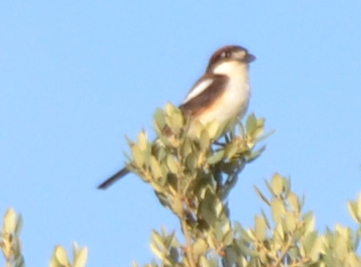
(228,56)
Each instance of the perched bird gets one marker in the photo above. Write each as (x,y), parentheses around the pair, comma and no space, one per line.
(222,94)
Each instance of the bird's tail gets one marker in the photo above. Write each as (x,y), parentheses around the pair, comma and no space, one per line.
(117,176)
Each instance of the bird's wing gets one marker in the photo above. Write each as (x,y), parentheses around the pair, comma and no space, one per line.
(203,94)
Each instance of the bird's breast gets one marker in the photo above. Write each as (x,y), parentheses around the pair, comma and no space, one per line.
(231,104)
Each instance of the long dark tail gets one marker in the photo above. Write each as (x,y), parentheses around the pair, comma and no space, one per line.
(111,180)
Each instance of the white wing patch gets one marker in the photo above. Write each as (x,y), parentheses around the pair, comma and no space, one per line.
(198,88)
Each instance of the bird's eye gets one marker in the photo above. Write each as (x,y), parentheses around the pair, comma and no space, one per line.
(226,54)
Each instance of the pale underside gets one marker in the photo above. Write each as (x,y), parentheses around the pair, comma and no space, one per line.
(233,102)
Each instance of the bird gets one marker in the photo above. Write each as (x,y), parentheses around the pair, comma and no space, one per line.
(221,94)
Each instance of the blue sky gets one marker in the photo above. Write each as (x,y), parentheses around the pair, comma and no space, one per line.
(77,76)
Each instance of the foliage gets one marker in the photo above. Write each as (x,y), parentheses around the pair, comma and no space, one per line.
(11,246)
(60,257)
(192,176)
(9,239)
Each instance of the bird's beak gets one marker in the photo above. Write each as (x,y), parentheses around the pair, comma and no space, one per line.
(249,58)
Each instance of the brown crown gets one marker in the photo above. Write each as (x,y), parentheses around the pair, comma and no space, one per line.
(230,52)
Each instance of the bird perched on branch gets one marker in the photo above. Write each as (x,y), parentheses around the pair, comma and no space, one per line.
(222,94)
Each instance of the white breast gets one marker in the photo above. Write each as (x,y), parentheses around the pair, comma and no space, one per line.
(234,102)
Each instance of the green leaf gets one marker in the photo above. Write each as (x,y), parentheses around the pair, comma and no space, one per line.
(205,141)
(154,248)
(177,207)
(343,231)
(186,148)
(265,219)
(143,141)
(216,157)
(155,168)
(196,129)
(175,121)
(81,258)
(159,119)
(242,232)
(207,208)
(359,206)
(279,236)
(255,154)
(161,154)
(19,224)
(157,245)
(200,247)
(353,260)
(294,202)
(251,123)
(9,221)
(261,196)
(219,208)
(228,238)
(260,230)
(287,187)
(309,221)
(265,136)
(277,184)
(291,221)
(231,150)
(75,250)
(137,155)
(316,249)
(54,262)
(204,262)
(278,210)
(309,242)
(248,251)
(172,164)
(191,162)
(213,129)
(352,209)
(61,255)
(169,109)
(156,237)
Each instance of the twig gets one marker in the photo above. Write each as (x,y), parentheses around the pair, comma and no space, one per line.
(188,249)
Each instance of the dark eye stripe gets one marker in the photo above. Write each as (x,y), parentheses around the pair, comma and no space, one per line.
(226,54)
